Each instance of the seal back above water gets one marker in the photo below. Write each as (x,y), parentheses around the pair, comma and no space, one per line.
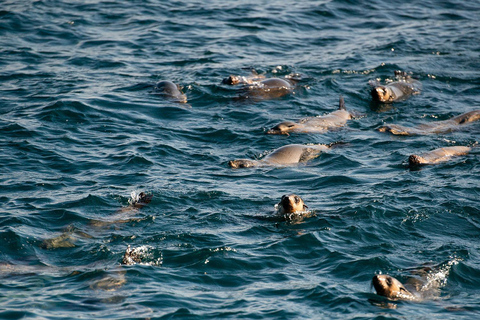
(398,90)
(437,155)
(320,124)
(434,127)
(286,155)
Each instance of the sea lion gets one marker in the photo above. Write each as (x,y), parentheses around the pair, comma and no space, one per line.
(398,90)
(437,155)
(257,87)
(291,207)
(270,88)
(124,215)
(170,91)
(321,124)
(131,256)
(434,127)
(286,155)
(391,288)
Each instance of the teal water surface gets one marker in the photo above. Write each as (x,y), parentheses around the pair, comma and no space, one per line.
(81,129)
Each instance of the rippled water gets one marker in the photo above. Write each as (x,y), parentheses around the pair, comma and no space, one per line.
(82,129)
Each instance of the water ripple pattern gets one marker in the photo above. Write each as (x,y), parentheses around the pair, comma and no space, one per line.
(82,129)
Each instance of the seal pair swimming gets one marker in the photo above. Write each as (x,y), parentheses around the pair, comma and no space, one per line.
(404,87)
(286,155)
(434,127)
(321,124)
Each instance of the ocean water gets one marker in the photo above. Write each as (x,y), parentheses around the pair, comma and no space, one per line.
(82,129)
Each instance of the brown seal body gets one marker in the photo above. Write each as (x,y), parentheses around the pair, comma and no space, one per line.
(321,124)
(391,288)
(398,90)
(437,155)
(286,155)
(435,127)
(170,91)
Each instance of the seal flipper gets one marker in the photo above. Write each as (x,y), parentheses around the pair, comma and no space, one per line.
(341,104)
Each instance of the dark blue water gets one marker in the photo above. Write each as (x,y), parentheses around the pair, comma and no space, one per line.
(81,129)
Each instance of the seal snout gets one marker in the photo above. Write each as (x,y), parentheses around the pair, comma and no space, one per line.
(283,128)
(415,160)
(235,164)
(231,80)
(292,203)
(380,94)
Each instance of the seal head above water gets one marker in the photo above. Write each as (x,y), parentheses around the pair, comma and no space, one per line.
(398,90)
(170,91)
(391,288)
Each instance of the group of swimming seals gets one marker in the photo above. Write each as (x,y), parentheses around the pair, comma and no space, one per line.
(292,206)
(401,89)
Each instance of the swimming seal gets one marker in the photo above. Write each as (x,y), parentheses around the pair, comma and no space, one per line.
(257,87)
(391,288)
(435,127)
(398,90)
(437,155)
(321,124)
(170,91)
(286,155)
(291,207)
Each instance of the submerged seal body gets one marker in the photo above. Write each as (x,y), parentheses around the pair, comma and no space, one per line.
(391,288)
(334,119)
(286,155)
(435,127)
(398,90)
(171,91)
(437,155)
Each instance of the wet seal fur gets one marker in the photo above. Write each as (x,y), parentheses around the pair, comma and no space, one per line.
(258,87)
(437,155)
(292,207)
(320,124)
(286,155)
(404,87)
(391,288)
(433,127)
(170,91)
